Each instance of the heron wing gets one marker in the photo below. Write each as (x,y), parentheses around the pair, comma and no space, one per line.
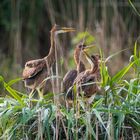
(69,79)
(30,72)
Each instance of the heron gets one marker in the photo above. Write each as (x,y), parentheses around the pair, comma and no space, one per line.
(71,75)
(86,81)
(35,71)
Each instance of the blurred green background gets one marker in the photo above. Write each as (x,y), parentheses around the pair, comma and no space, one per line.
(25,26)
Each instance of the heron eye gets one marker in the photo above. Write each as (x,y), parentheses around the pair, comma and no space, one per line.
(29,65)
(91,79)
(94,58)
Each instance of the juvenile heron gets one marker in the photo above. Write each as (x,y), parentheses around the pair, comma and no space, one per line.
(71,75)
(87,80)
(36,71)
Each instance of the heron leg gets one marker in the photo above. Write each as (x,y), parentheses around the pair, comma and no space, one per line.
(31,93)
(40,93)
(30,96)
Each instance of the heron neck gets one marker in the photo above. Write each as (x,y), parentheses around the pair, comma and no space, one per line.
(80,67)
(51,56)
(76,56)
(94,68)
(79,63)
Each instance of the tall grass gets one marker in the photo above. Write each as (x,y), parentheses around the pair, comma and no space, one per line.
(25,25)
(112,114)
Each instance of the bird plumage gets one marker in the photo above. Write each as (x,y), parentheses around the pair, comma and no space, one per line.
(36,71)
(71,75)
(87,80)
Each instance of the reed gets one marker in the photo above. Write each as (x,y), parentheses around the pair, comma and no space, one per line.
(113,114)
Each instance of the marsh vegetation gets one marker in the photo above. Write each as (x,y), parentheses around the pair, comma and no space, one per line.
(111,113)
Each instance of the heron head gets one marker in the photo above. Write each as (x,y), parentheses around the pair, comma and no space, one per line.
(93,59)
(81,46)
(58,29)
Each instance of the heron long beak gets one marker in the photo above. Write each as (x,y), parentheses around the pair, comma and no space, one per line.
(89,46)
(67,29)
(86,54)
(89,58)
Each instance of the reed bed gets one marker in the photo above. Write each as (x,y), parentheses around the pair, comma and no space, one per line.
(112,114)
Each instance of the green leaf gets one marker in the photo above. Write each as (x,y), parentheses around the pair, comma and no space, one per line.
(13,93)
(137,12)
(85,37)
(121,73)
(1,79)
(99,118)
(14,81)
(97,103)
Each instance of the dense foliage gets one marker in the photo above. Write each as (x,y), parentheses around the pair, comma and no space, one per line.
(112,114)
(25,26)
